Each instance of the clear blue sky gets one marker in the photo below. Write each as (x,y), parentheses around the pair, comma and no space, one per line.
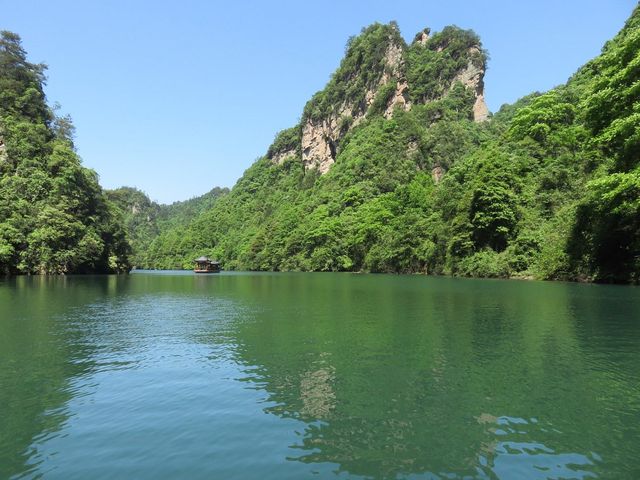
(177,97)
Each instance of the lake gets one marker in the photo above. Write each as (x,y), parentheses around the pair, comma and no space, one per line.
(164,375)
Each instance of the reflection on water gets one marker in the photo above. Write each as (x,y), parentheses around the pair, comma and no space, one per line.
(316,391)
(514,454)
(301,375)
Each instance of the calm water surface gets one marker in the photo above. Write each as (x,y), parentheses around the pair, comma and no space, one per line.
(243,376)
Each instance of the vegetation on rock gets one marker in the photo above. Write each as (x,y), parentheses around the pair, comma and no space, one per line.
(547,189)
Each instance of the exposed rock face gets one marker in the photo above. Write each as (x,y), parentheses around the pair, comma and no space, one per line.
(480,109)
(3,149)
(280,157)
(393,60)
(319,144)
(473,77)
(436,173)
(400,99)
(422,37)
(321,137)
(395,63)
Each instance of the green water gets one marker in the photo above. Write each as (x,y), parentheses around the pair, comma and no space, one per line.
(243,376)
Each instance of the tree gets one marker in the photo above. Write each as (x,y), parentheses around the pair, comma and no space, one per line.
(606,236)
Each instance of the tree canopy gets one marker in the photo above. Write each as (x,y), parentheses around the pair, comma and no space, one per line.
(54,217)
(548,188)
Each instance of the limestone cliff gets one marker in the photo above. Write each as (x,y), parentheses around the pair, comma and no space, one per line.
(379,74)
(473,77)
(320,136)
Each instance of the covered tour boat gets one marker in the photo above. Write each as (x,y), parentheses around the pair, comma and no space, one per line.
(206,265)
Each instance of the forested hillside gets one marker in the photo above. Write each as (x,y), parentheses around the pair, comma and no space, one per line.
(144,219)
(54,217)
(392,169)
(395,166)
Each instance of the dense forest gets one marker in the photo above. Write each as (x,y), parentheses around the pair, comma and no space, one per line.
(54,216)
(548,188)
(144,219)
(395,166)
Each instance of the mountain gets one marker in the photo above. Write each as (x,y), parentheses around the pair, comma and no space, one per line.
(54,217)
(397,166)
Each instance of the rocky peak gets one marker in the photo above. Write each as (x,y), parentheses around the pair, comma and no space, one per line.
(422,37)
(372,79)
(473,77)
(321,135)
(393,60)
(394,57)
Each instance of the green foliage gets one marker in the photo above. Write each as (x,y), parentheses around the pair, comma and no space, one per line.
(544,118)
(613,105)
(144,220)
(432,67)
(549,188)
(21,93)
(485,263)
(54,217)
(138,215)
(493,209)
(525,195)
(360,70)
(606,237)
(286,141)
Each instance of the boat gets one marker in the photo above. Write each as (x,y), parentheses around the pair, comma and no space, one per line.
(206,265)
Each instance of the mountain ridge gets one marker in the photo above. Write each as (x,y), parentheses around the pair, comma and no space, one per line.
(378,79)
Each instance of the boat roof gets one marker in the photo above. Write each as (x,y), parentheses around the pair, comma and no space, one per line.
(204,259)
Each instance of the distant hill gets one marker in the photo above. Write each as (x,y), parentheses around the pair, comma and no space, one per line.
(144,219)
